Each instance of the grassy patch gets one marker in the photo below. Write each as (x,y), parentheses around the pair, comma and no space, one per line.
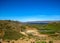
(12,35)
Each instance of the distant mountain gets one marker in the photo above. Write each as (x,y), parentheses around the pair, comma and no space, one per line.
(40,22)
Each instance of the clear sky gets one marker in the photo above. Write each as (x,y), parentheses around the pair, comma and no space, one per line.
(30,10)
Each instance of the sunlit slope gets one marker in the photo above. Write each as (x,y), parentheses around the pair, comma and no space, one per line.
(10,29)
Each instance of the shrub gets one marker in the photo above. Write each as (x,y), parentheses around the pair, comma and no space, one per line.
(38,42)
(50,41)
(43,41)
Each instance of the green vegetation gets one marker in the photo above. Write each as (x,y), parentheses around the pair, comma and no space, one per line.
(49,28)
(38,42)
(41,42)
(11,35)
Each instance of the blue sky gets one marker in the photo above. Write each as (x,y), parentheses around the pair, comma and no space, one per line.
(30,10)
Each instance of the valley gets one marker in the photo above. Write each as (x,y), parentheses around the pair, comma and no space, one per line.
(35,32)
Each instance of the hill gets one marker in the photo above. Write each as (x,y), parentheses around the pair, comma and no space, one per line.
(10,29)
(13,30)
